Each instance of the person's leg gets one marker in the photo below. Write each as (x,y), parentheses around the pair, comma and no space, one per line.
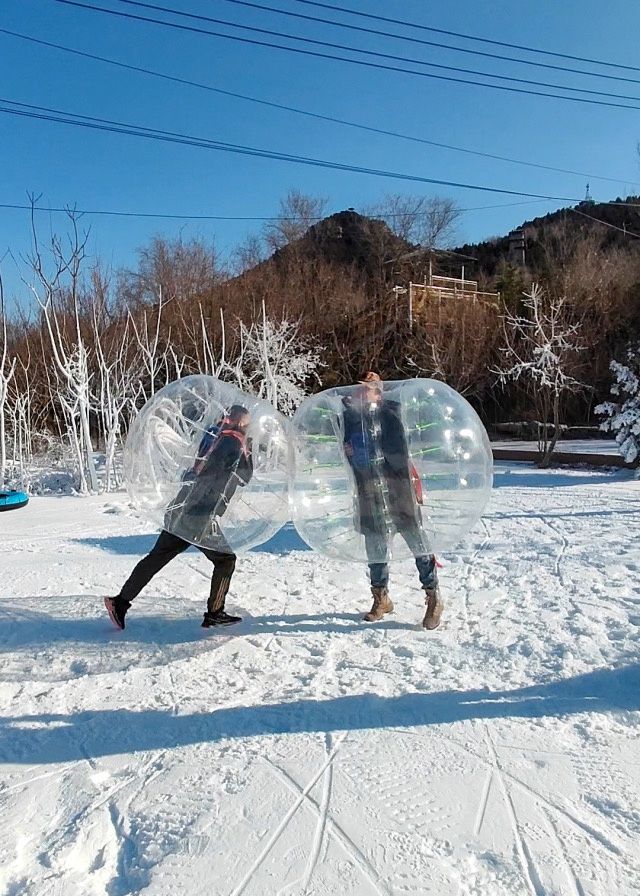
(224,564)
(164,550)
(425,562)
(223,568)
(377,548)
(428,572)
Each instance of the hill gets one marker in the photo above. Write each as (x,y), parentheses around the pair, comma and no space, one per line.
(611,226)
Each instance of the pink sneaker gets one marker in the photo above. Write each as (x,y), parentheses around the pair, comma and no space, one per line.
(116,610)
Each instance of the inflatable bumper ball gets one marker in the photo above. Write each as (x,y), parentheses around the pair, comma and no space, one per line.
(388,470)
(210,464)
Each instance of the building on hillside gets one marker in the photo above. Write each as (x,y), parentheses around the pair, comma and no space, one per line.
(438,290)
(517,244)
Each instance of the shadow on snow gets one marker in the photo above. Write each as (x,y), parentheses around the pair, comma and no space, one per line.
(27,739)
(36,628)
(285,541)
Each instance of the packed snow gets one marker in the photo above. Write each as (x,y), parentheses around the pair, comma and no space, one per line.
(305,751)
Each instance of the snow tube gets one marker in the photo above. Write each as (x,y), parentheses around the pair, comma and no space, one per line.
(11,500)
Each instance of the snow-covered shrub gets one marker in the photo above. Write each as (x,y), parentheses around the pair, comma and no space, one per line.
(623,415)
(541,351)
(275,362)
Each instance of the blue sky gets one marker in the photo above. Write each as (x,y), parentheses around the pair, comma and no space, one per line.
(106,171)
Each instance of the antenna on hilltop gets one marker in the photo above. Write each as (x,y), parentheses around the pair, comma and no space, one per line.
(588,198)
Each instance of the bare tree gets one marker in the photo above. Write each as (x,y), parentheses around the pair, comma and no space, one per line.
(453,340)
(541,347)
(424,221)
(297,213)
(183,270)
(248,254)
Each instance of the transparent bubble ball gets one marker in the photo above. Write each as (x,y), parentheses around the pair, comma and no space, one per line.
(203,479)
(389,470)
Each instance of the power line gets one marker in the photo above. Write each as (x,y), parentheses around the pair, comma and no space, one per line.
(361,62)
(316,115)
(426,43)
(484,40)
(198,217)
(43,113)
(265,218)
(371,53)
(606,223)
(121,214)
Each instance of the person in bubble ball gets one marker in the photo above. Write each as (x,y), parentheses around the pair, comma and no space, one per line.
(223,463)
(388,493)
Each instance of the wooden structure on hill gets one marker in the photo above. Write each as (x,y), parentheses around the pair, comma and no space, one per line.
(438,290)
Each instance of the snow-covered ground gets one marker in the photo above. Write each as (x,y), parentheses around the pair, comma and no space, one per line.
(306,751)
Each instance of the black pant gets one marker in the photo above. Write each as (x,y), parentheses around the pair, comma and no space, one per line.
(164,550)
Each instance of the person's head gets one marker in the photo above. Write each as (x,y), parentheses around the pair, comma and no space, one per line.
(370,389)
(239,418)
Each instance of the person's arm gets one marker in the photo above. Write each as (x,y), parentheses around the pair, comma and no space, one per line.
(216,472)
(244,469)
(347,433)
(395,447)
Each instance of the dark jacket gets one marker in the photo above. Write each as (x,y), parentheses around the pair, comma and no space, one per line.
(377,452)
(228,465)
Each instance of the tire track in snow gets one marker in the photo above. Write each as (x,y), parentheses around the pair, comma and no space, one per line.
(301,885)
(484,799)
(574,881)
(338,833)
(280,828)
(321,827)
(558,562)
(584,827)
(72,829)
(123,883)
(564,547)
(527,865)
(26,782)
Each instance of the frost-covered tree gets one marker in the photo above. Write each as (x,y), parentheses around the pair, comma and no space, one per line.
(541,348)
(7,372)
(152,346)
(623,414)
(24,417)
(275,362)
(118,378)
(57,293)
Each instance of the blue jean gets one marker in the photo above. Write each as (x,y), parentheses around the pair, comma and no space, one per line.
(378,545)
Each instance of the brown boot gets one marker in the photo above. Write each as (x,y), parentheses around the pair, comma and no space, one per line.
(435,606)
(381,604)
